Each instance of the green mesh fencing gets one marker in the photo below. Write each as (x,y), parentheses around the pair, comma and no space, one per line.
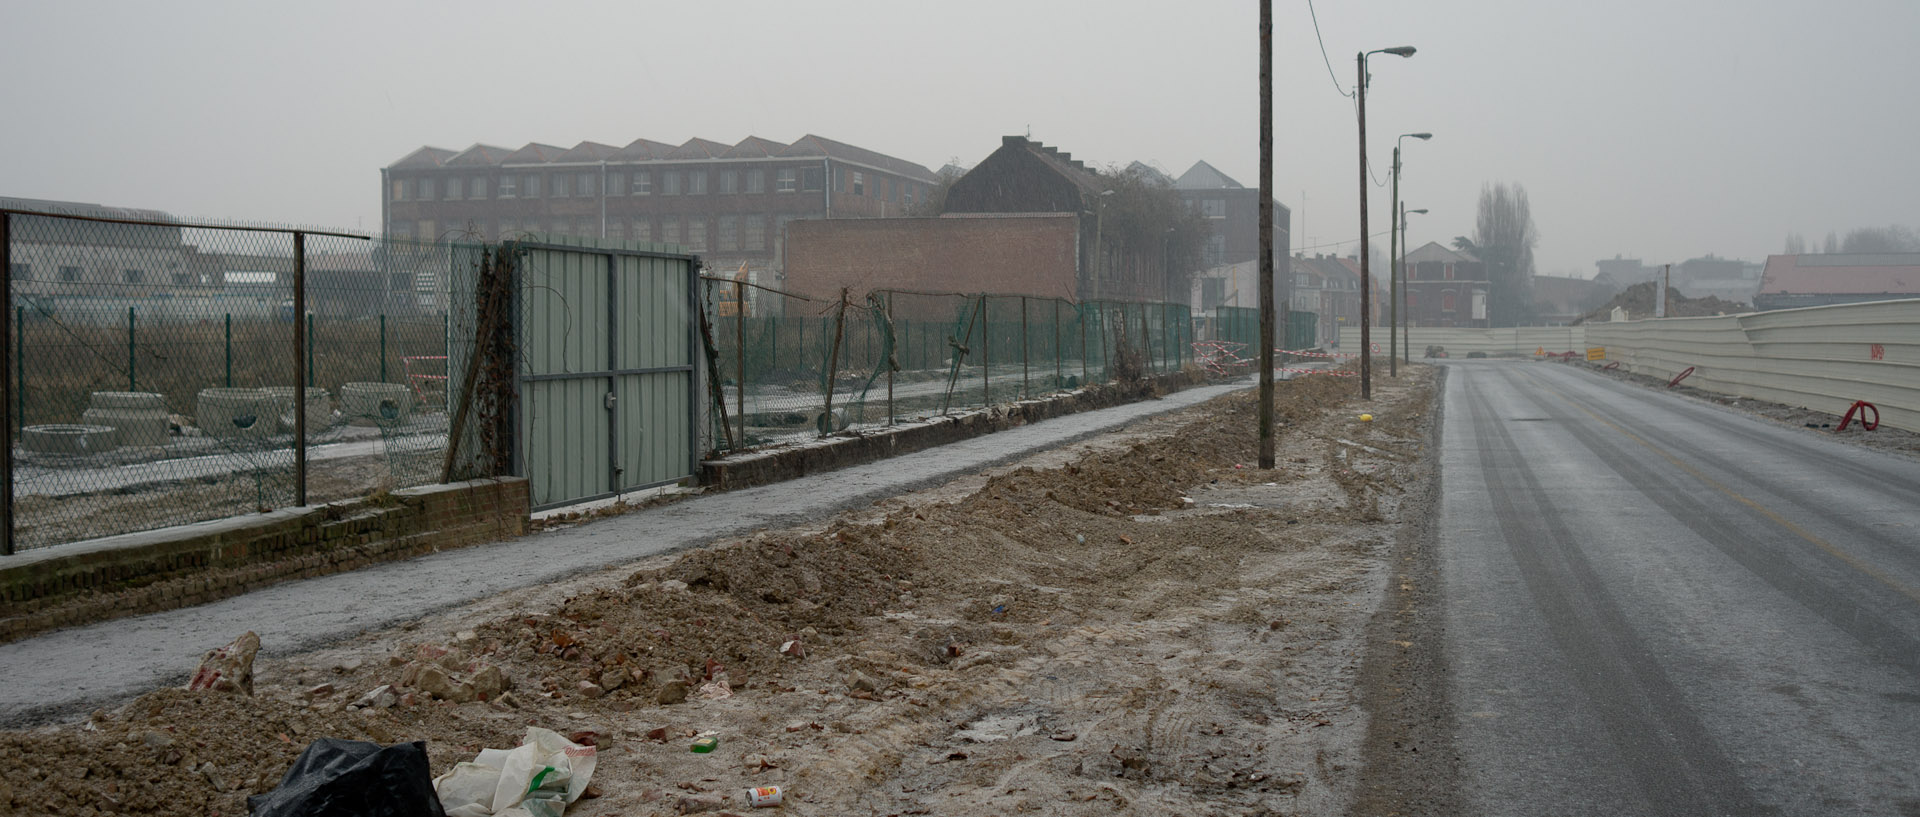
(153,371)
(794,369)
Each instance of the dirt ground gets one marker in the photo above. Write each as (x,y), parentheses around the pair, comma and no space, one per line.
(1142,624)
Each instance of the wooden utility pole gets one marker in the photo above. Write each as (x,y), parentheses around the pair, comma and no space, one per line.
(1266,234)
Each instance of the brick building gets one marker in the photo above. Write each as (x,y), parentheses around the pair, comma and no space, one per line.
(1328,286)
(729,203)
(1443,288)
(1028,254)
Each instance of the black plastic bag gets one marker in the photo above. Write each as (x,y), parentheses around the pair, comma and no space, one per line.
(353,778)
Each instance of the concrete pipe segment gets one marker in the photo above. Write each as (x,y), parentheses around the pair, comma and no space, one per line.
(140,417)
(319,409)
(69,439)
(379,402)
(238,413)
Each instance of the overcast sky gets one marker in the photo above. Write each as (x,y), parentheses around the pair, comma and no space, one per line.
(1657,129)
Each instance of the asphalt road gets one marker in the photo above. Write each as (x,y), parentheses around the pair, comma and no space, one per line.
(1658,606)
(68,672)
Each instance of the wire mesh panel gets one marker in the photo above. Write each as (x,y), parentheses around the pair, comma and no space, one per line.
(157,371)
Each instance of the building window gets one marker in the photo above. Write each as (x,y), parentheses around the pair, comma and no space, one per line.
(839,180)
(696,182)
(617,184)
(70,274)
(615,230)
(1213,208)
(670,183)
(670,231)
(697,235)
(729,237)
(558,188)
(786,181)
(859,183)
(813,179)
(1216,250)
(589,184)
(532,188)
(1446,301)
(643,182)
(456,188)
(756,181)
(729,182)
(478,189)
(133,276)
(907,197)
(399,189)
(643,230)
(756,232)
(507,187)
(426,190)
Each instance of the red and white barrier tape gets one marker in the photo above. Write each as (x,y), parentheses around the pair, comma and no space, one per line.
(1333,372)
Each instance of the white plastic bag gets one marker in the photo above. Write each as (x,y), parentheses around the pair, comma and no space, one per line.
(538,779)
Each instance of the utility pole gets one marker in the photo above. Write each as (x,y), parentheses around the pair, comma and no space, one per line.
(1366,277)
(1266,234)
(1393,280)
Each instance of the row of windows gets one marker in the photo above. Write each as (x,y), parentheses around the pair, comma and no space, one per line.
(727,233)
(586,184)
(24,272)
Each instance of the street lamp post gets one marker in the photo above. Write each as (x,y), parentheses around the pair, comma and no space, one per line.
(1406,315)
(1393,252)
(1366,285)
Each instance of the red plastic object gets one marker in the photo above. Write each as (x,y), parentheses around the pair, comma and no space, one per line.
(1679,377)
(1610,366)
(1863,407)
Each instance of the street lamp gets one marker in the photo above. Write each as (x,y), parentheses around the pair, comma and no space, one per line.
(1393,278)
(1406,332)
(1366,285)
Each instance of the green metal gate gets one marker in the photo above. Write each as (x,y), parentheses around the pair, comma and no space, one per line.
(608,373)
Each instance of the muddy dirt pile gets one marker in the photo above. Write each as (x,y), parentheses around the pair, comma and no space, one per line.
(1145,624)
(1638,301)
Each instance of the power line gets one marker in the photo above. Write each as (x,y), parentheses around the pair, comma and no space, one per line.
(1323,50)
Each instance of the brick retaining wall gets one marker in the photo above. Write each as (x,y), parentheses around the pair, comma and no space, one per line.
(177,567)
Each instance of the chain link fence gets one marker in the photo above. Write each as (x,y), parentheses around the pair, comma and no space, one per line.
(792,369)
(156,370)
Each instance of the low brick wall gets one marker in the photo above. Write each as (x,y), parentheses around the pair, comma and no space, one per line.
(748,470)
(194,564)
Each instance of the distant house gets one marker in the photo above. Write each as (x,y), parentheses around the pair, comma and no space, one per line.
(1837,278)
(1618,273)
(1558,301)
(1330,287)
(1234,212)
(1725,278)
(1445,287)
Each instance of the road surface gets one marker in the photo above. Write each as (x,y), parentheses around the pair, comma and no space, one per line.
(1658,606)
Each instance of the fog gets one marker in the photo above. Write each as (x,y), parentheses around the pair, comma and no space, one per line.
(1652,129)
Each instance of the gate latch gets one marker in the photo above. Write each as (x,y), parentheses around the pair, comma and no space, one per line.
(610,401)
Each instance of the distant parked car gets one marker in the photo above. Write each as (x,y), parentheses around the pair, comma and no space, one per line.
(1436,351)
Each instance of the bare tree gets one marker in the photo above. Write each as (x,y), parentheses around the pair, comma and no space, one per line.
(1505,236)
(1796,245)
(1832,245)
(1890,239)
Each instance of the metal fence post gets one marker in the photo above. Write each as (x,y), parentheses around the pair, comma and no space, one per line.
(229,344)
(383,348)
(986,359)
(19,367)
(740,359)
(1080,311)
(893,334)
(1059,354)
(6,450)
(300,363)
(309,379)
(1025,391)
(132,382)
